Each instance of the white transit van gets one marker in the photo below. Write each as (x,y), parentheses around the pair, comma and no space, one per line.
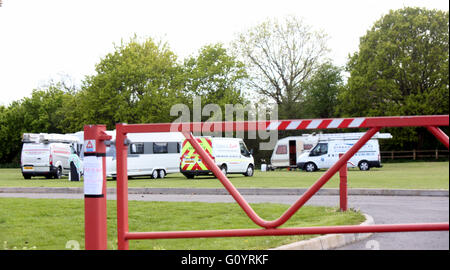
(230,154)
(154,154)
(288,150)
(47,154)
(326,153)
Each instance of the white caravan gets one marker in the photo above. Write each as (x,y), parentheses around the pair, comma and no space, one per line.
(288,150)
(47,154)
(230,154)
(154,154)
(326,153)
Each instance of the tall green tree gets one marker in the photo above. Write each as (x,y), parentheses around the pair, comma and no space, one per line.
(215,75)
(281,56)
(41,110)
(137,83)
(321,92)
(401,68)
(11,129)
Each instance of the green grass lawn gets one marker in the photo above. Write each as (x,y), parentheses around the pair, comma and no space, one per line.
(412,175)
(48,224)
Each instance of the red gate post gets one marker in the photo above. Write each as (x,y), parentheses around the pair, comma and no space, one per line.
(122,188)
(343,186)
(95,187)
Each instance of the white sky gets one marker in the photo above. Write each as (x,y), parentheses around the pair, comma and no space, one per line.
(42,39)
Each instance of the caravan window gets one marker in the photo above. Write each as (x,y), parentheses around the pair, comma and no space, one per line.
(307,146)
(160,148)
(137,148)
(173,148)
(281,150)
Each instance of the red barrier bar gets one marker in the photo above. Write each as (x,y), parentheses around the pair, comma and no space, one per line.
(439,134)
(122,188)
(270,227)
(407,121)
(363,122)
(95,204)
(343,186)
(291,231)
(299,203)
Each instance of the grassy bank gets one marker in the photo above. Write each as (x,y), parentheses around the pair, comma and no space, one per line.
(45,224)
(412,175)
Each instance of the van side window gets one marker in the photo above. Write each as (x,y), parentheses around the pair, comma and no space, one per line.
(160,148)
(244,150)
(320,149)
(281,150)
(137,148)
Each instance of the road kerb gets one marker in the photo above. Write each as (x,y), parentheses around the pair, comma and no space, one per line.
(243,191)
(329,241)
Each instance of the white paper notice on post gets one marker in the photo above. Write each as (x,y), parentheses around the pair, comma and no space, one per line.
(93,175)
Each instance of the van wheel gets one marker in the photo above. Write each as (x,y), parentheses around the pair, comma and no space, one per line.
(310,167)
(223,168)
(155,174)
(162,174)
(189,175)
(58,173)
(249,171)
(364,165)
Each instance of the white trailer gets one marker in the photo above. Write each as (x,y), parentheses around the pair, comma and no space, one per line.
(154,154)
(288,150)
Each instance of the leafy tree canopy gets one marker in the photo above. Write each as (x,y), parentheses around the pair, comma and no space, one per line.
(401,67)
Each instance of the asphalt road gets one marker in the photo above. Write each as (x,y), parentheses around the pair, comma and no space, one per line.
(384,210)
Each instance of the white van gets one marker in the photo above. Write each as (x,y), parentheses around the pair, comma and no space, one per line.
(47,154)
(287,150)
(326,153)
(154,154)
(230,154)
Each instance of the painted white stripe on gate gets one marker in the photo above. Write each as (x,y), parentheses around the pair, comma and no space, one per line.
(294,124)
(273,125)
(335,123)
(314,124)
(356,122)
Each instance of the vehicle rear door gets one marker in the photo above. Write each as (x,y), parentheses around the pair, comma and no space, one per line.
(35,155)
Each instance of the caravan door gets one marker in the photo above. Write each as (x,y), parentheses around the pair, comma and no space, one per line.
(292,153)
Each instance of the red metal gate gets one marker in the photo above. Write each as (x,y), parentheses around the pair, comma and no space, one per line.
(374,124)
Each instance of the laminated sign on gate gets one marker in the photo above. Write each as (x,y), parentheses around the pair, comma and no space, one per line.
(93,171)
(93,175)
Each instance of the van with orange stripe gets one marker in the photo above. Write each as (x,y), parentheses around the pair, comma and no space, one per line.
(48,155)
(230,155)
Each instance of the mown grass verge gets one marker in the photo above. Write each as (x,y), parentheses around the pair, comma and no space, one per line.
(49,224)
(412,175)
